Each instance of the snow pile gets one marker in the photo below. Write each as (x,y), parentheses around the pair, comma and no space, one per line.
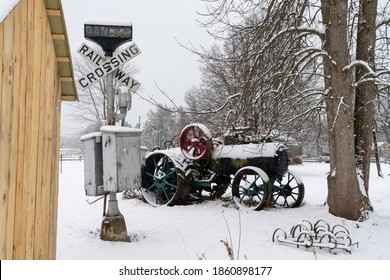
(108,21)
(6,7)
(195,231)
(118,129)
(246,151)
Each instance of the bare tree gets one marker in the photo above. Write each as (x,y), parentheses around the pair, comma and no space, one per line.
(344,194)
(366,93)
(321,43)
(382,55)
(162,128)
(254,69)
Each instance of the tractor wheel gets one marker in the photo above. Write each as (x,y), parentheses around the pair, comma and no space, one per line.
(164,181)
(288,191)
(250,188)
(195,141)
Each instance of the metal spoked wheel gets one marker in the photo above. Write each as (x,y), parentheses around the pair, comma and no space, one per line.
(163,181)
(288,191)
(250,188)
(195,141)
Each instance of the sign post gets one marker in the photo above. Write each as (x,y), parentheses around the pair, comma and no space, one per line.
(110,37)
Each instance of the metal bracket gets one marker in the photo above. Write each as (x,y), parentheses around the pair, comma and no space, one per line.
(90,203)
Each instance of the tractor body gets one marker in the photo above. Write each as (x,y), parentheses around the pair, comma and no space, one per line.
(257,172)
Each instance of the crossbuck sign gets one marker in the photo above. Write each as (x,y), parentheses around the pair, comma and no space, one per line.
(106,66)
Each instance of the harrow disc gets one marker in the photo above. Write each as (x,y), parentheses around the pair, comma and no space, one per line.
(250,188)
(164,181)
(320,235)
(279,235)
(288,191)
(195,141)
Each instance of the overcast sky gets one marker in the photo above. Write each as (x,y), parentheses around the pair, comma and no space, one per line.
(157,25)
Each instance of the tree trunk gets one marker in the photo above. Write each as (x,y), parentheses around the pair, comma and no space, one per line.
(344,194)
(365,95)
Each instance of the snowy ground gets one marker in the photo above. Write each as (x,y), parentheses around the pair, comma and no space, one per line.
(194,231)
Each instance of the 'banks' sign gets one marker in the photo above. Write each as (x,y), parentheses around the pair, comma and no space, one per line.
(109,37)
(108,31)
(107,66)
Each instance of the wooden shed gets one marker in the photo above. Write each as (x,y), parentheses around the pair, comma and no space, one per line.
(35,76)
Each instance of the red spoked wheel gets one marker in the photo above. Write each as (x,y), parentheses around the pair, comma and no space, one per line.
(195,141)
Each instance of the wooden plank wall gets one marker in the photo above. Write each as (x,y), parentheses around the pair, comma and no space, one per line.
(29,134)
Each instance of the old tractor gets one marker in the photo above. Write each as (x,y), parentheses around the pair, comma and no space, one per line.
(255,168)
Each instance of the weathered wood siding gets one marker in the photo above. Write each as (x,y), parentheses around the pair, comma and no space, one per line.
(30,93)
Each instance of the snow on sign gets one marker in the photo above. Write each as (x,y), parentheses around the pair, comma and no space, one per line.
(107,66)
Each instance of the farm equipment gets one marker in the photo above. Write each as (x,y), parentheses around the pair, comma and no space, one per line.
(255,168)
(320,234)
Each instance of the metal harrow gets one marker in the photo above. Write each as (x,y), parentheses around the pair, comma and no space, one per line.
(318,235)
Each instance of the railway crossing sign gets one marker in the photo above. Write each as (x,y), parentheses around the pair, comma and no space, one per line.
(106,65)
(110,37)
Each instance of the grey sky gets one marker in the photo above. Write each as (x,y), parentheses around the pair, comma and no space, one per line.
(156,26)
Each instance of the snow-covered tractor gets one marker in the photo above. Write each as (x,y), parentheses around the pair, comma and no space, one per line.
(256,170)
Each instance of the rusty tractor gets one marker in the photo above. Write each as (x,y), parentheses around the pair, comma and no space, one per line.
(255,168)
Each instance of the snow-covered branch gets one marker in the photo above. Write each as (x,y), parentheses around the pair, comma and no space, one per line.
(338,111)
(176,108)
(359,63)
(383,22)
